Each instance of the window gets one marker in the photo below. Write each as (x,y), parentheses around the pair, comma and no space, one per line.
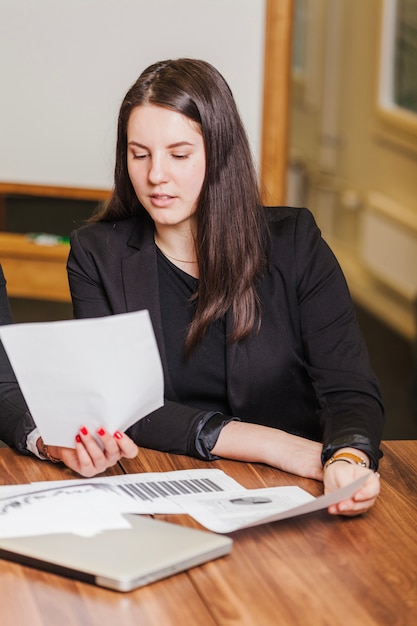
(397,92)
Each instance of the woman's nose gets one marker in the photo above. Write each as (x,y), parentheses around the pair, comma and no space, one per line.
(158,172)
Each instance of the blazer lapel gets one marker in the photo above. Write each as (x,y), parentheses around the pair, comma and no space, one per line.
(141,289)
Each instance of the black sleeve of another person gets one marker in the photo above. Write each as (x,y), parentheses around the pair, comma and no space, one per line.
(15,420)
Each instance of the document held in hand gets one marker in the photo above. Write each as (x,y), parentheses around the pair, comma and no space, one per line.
(102,372)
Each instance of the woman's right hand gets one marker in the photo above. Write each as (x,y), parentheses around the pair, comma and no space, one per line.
(87,458)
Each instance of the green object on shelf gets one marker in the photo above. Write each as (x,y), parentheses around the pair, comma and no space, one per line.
(47,239)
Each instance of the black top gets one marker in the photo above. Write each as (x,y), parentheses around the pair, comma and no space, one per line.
(306,371)
(200,380)
(15,420)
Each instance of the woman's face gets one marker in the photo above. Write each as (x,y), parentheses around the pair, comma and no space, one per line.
(166,163)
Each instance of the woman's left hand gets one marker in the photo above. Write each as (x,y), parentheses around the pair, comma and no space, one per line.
(341,474)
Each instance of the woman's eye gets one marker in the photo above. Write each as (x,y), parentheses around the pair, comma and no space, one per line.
(140,156)
(180,156)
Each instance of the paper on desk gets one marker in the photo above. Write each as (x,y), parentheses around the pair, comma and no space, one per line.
(214,499)
(83,509)
(102,372)
(150,492)
(89,506)
(230,511)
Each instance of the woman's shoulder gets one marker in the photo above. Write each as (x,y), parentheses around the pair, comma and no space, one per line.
(286,215)
(127,231)
(287,222)
(295,237)
(91,229)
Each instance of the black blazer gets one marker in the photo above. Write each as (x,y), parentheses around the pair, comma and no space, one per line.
(15,420)
(307,371)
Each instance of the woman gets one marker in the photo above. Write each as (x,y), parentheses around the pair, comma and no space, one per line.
(263,359)
(18,430)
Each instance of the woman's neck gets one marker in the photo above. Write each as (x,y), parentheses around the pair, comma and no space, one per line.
(179,248)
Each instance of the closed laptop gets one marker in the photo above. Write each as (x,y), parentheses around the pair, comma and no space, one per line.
(122,559)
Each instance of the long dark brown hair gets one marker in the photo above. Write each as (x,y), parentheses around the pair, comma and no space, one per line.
(231,229)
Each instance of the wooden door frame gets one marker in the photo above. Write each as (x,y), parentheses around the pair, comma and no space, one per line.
(276,100)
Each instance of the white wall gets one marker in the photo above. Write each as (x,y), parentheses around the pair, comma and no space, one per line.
(65,66)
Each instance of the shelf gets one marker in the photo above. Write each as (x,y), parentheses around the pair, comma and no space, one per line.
(33,270)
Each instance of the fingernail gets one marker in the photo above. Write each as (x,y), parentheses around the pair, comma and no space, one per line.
(83,431)
(78,438)
(118,435)
(101,432)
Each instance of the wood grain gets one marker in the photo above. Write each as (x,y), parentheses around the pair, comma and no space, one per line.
(53,191)
(30,596)
(20,469)
(314,569)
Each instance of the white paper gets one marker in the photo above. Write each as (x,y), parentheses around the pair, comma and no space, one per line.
(84,509)
(227,512)
(150,492)
(89,506)
(102,372)
(215,500)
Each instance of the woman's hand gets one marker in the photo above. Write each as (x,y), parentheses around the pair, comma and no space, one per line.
(296,455)
(88,458)
(340,474)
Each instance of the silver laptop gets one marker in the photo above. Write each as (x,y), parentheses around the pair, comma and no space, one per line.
(122,559)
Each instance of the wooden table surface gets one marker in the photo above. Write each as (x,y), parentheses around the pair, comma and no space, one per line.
(314,570)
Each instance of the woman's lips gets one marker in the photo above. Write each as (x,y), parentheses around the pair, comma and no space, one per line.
(161,200)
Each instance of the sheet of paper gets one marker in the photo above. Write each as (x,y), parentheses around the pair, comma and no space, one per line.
(150,492)
(211,497)
(89,506)
(227,512)
(84,509)
(103,372)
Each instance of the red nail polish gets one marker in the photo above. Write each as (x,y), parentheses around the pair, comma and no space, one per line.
(101,432)
(83,431)
(78,438)
(118,435)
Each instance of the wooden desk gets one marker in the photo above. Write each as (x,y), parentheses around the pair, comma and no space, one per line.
(315,569)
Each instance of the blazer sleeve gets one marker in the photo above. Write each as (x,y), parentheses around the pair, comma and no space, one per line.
(15,420)
(175,427)
(351,408)
(179,429)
